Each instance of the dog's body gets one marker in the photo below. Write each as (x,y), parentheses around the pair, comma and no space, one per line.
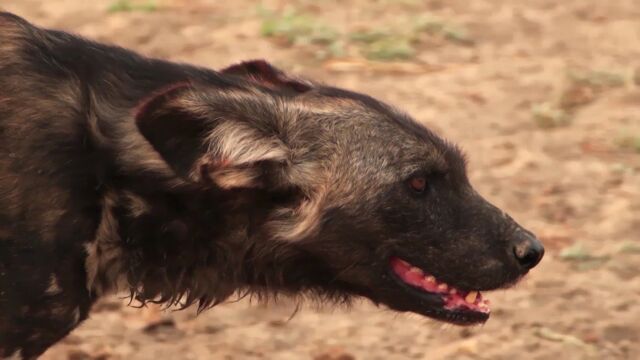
(183,185)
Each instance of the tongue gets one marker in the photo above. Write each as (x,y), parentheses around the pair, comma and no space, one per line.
(409,274)
(414,277)
(454,298)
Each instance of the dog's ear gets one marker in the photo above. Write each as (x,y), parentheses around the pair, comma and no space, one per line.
(234,139)
(205,140)
(265,74)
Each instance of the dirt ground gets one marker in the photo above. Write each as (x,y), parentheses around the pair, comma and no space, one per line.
(543,95)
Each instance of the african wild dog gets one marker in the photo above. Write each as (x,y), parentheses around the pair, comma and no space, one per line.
(184,185)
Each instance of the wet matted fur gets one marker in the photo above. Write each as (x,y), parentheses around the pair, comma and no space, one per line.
(184,185)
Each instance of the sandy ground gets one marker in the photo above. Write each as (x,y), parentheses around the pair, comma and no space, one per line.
(541,94)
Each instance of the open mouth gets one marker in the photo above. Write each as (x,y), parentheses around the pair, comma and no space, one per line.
(459,306)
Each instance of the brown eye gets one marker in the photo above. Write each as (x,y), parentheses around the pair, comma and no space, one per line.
(418,184)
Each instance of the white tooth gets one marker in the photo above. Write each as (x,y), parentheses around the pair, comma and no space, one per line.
(471,297)
(443,287)
(453,291)
(430,279)
(416,271)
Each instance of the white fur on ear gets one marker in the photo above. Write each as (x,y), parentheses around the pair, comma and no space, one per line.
(234,149)
(239,143)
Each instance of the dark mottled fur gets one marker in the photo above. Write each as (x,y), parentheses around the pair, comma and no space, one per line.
(184,185)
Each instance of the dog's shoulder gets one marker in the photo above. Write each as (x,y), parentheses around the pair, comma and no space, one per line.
(10,23)
(14,33)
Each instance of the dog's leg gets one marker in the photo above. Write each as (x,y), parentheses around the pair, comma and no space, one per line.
(42,298)
(33,325)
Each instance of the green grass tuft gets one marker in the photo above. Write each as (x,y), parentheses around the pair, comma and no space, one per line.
(389,48)
(548,116)
(128,6)
(458,35)
(581,258)
(436,27)
(291,27)
(630,248)
(597,79)
(575,252)
(368,37)
(297,28)
(630,142)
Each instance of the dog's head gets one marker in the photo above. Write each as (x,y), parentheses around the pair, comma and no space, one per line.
(361,198)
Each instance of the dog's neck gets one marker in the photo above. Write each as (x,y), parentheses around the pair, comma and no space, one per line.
(170,248)
(159,247)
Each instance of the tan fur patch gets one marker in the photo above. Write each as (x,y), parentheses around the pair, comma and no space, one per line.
(15,35)
(54,287)
(92,263)
(75,316)
(235,178)
(17,355)
(137,205)
(295,224)
(60,311)
(104,264)
(11,34)
(49,220)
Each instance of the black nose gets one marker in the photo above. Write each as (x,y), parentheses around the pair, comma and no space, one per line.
(528,251)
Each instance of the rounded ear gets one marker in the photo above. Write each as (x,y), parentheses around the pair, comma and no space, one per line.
(232,139)
(265,74)
(176,133)
(205,143)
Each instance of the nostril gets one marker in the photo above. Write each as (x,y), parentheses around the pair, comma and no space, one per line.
(531,258)
(529,252)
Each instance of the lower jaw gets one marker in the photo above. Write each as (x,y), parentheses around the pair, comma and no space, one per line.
(462,317)
(433,306)
(442,305)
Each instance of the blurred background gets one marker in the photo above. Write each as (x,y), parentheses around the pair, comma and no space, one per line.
(543,95)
